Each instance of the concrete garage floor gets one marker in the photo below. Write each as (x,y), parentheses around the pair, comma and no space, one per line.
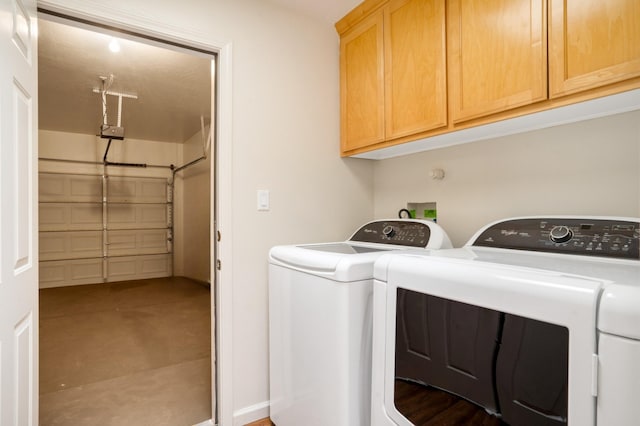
(128,353)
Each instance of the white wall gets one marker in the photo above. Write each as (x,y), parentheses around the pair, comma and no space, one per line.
(588,168)
(285,131)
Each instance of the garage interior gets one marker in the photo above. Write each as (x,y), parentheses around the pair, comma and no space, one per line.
(124,228)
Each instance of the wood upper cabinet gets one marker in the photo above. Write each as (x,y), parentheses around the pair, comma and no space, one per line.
(362,84)
(415,67)
(592,43)
(497,52)
(393,73)
(412,69)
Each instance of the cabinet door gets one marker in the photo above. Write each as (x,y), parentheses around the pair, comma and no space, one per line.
(362,84)
(497,53)
(415,67)
(592,43)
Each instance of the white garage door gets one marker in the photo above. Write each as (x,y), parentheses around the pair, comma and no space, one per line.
(95,229)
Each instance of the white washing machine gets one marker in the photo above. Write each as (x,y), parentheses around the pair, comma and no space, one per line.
(536,320)
(320,324)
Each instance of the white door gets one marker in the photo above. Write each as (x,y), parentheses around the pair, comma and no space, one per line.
(18,214)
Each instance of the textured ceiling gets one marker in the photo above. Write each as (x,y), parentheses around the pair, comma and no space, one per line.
(173,88)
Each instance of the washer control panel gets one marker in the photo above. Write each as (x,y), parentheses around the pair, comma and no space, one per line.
(584,236)
(399,232)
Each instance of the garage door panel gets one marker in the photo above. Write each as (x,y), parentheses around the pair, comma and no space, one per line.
(154,240)
(138,267)
(138,242)
(62,273)
(153,214)
(121,189)
(137,190)
(51,187)
(70,245)
(70,217)
(87,243)
(53,216)
(155,265)
(52,245)
(55,187)
(121,268)
(85,214)
(136,216)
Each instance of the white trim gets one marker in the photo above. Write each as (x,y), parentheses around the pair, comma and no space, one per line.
(251,413)
(224,316)
(595,108)
(101,13)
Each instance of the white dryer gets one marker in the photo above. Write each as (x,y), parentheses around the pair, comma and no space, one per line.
(320,324)
(536,320)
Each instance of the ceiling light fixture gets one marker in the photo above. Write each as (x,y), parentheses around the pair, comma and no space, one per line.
(114,45)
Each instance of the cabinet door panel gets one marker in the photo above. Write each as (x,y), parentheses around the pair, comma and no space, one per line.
(362,84)
(592,43)
(497,53)
(415,67)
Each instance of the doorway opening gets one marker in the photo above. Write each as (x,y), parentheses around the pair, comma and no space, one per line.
(125,244)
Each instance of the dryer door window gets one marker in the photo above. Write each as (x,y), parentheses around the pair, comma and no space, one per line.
(513,368)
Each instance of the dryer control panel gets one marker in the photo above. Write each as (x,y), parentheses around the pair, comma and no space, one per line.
(583,236)
(398,232)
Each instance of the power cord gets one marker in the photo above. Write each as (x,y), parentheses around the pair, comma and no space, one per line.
(406,212)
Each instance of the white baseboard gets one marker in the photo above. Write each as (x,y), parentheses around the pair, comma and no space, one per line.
(205,423)
(250,414)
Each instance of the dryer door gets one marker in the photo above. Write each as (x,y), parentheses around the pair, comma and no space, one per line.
(565,301)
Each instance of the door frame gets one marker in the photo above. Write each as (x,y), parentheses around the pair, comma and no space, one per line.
(221,177)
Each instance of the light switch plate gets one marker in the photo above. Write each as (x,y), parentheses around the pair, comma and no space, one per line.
(263,199)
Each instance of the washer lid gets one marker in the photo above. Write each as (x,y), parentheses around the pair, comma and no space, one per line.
(329,260)
(342,248)
(353,260)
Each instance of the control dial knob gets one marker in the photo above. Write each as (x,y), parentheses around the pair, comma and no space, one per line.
(388,231)
(560,234)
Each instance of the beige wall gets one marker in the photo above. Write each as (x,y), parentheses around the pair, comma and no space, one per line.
(193,197)
(286,140)
(285,131)
(588,168)
(75,146)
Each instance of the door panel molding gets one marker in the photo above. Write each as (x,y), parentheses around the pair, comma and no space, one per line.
(21,31)
(21,176)
(23,365)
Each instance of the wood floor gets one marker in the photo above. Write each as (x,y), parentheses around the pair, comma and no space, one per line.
(128,353)
(261,422)
(427,406)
